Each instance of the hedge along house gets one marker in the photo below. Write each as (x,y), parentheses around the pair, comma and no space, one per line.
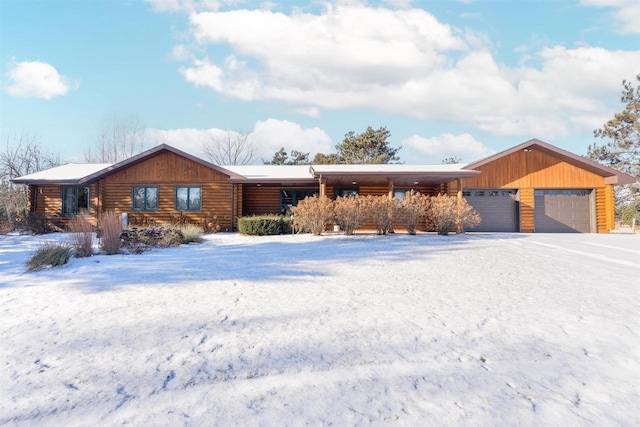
(165,184)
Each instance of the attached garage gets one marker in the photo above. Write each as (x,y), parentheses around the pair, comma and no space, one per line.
(497,207)
(562,211)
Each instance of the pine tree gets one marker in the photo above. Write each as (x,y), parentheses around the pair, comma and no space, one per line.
(622,151)
(369,147)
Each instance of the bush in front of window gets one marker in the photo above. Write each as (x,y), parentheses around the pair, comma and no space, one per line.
(49,255)
(351,212)
(412,209)
(382,211)
(264,225)
(313,214)
(446,213)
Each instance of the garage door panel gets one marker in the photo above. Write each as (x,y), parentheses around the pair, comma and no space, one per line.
(562,211)
(498,209)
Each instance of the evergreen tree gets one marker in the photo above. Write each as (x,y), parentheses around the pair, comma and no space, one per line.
(281,157)
(622,151)
(370,147)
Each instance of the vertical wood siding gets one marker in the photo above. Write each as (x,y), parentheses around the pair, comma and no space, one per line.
(536,170)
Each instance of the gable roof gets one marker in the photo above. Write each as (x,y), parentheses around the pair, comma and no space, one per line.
(76,174)
(610,175)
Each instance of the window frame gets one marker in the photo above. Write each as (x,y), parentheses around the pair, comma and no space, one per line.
(295,198)
(64,194)
(145,208)
(189,188)
(339,191)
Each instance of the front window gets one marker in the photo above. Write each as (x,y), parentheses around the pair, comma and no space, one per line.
(188,198)
(347,192)
(145,198)
(291,197)
(75,200)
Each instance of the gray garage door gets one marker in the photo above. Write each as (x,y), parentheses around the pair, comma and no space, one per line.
(562,211)
(498,208)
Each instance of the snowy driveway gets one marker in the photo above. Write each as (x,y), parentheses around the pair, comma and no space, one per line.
(504,329)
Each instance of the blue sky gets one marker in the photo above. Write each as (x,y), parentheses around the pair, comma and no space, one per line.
(447,78)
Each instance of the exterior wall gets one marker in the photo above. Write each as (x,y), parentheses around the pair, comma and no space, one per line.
(48,201)
(531,170)
(166,170)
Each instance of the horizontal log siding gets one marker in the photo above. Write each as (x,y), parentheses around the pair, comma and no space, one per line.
(604,209)
(260,200)
(526,210)
(167,170)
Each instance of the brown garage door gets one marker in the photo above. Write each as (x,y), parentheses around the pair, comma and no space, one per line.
(562,211)
(498,209)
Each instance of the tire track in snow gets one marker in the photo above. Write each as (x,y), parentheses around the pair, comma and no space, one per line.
(599,257)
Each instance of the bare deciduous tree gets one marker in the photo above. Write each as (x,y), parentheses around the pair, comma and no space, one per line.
(232,148)
(22,155)
(121,137)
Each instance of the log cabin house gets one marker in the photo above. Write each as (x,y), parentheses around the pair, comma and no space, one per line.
(532,187)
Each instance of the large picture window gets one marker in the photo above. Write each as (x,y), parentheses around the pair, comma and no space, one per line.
(75,200)
(188,198)
(346,192)
(291,197)
(145,198)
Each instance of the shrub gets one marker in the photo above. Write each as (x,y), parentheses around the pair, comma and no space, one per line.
(313,214)
(110,229)
(382,210)
(350,213)
(81,236)
(446,213)
(36,223)
(137,240)
(413,209)
(190,233)
(49,255)
(264,225)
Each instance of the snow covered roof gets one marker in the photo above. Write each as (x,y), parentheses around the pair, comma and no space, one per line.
(385,168)
(70,173)
(273,172)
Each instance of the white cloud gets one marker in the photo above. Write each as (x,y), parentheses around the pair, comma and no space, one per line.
(35,79)
(403,62)
(189,5)
(437,148)
(626,13)
(270,134)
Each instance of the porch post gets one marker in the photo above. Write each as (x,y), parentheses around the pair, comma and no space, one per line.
(391,189)
(323,186)
(459,195)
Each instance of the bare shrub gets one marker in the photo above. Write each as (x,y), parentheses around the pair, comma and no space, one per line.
(382,211)
(412,210)
(446,213)
(190,233)
(81,236)
(49,255)
(110,229)
(313,214)
(350,213)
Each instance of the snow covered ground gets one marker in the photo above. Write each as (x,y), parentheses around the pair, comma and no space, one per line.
(504,329)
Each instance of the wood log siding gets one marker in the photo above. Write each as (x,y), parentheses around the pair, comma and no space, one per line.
(166,171)
(531,170)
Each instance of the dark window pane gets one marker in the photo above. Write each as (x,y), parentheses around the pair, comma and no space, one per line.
(194,199)
(138,198)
